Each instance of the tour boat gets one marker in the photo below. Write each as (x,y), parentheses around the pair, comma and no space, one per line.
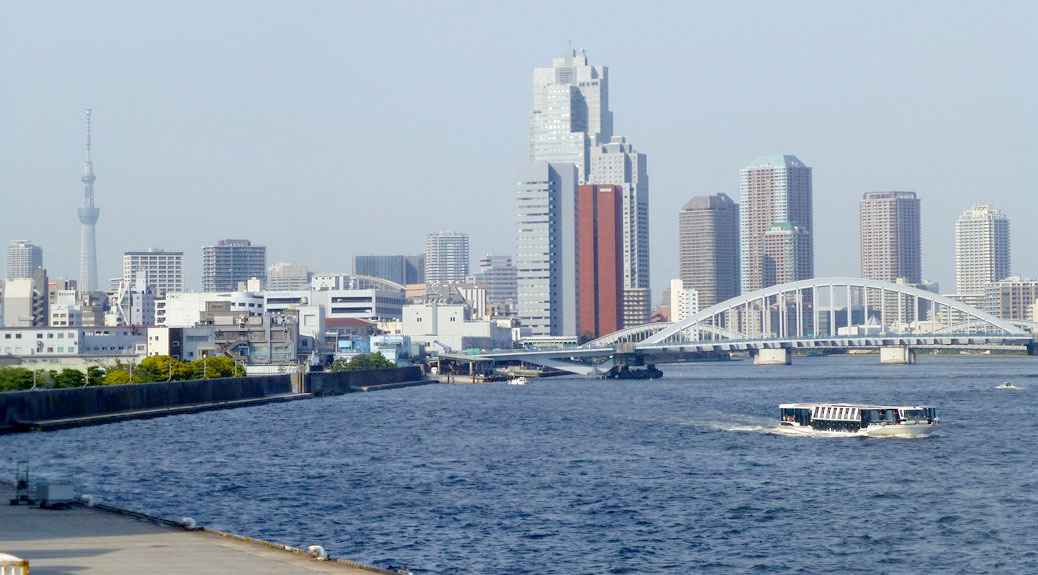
(858,419)
(518,381)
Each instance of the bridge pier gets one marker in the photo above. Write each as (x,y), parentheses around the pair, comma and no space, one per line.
(900,355)
(773,356)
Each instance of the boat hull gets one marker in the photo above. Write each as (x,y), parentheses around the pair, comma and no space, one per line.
(909,431)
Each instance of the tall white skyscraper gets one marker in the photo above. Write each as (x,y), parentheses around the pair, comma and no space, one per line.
(775,190)
(981,249)
(163,271)
(23,259)
(570,111)
(618,163)
(499,276)
(546,248)
(446,257)
(88,215)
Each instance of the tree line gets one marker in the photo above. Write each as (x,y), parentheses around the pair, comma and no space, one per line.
(154,368)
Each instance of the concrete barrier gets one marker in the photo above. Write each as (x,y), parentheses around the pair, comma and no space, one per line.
(340,382)
(18,408)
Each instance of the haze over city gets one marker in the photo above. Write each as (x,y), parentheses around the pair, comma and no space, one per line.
(328,131)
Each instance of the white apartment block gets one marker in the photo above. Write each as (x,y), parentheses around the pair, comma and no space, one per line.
(981,249)
(164,270)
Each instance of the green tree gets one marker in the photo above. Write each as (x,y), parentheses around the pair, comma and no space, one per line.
(118,377)
(95,375)
(15,378)
(69,378)
(585,337)
(162,368)
(363,361)
(215,367)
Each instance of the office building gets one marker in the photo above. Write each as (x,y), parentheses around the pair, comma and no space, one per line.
(545,248)
(446,257)
(402,270)
(23,259)
(500,278)
(163,271)
(600,259)
(286,276)
(774,189)
(570,112)
(708,248)
(618,163)
(230,262)
(981,249)
(890,237)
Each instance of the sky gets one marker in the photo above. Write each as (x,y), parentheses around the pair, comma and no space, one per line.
(325,130)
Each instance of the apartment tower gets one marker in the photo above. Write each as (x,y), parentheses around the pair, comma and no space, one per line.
(708,247)
(231,262)
(446,257)
(23,259)
(890,237)
(981,249)
(774,190)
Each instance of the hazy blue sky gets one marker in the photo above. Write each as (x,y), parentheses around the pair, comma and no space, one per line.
(329,129)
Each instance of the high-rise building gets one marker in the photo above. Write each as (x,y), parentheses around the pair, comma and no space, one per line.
(23,259)
(499,276)
(786,254)
(981,249)
(618,163)
(1010,298)
(446,257)
(774,189)
(284,276)
(545,248)
(399,269)
(890,237)
(570,111)
(26,301)
(600,285)
(230,262)
(708,246)
(163,271)
(88,215)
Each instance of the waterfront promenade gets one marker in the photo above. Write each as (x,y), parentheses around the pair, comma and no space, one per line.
(89,540)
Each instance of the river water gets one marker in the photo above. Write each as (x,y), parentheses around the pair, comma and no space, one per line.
(681,474)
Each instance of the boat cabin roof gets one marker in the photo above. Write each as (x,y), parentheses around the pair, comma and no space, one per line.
(852,405)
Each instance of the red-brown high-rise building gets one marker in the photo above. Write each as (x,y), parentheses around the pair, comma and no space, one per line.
(600,275)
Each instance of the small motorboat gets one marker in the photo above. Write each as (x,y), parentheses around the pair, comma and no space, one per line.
(1007,385)
(518,381)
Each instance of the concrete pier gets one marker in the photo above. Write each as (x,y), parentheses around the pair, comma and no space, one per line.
(779,356)
(86,540)
(900,355)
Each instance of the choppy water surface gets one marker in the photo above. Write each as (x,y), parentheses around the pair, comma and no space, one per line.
(678,475)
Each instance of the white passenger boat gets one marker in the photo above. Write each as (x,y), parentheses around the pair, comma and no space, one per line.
(518,381)
(1007,385)
(858,419)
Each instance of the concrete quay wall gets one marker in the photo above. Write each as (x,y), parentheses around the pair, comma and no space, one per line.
(19,409)
(340,382)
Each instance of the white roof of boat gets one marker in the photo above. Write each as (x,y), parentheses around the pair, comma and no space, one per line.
(853,405)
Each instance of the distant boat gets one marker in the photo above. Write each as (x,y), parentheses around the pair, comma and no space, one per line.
(858,420)
(1007,385)
(518,381)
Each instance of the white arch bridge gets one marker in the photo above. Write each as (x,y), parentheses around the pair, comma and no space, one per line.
(822,313)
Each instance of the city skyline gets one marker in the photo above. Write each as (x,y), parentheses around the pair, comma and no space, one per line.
(237,143)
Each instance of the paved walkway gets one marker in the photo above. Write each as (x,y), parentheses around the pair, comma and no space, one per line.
(82,540)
